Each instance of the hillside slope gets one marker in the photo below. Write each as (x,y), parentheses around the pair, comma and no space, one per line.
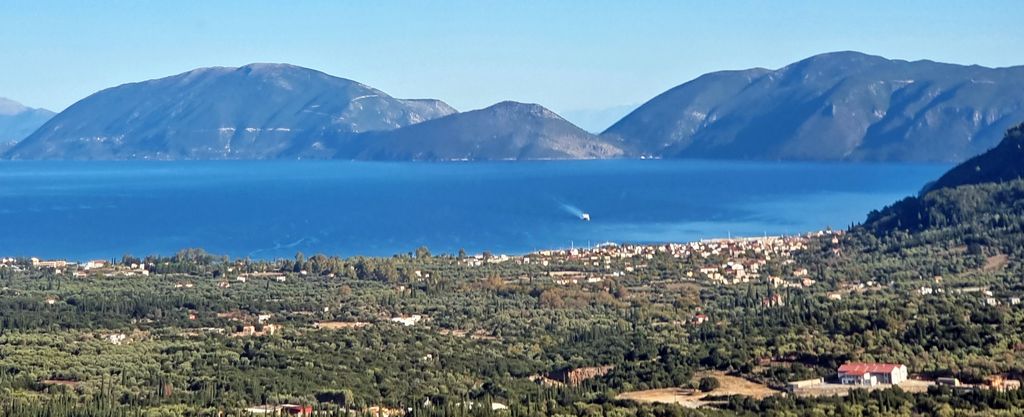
(1003,163)
(504,131)
(838,106)
(984,194)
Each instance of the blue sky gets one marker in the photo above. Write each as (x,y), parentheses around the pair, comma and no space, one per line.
(568,55)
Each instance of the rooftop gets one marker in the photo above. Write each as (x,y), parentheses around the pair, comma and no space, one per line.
(856,368)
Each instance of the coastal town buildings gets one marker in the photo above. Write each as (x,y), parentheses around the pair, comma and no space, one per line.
(718,261)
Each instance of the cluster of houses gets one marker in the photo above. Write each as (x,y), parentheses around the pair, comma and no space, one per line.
(985,295)
(274,276)
(376,411)
(248,324)
(481,259)
(745,260)
(78,270)
(722,261)
(283,409)
(576,277)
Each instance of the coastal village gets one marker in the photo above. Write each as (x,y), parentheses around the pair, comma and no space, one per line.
(718,261)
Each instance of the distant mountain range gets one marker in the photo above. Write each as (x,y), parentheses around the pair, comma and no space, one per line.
(836,106)
(839,106)
(266,111)
(18,121)
(257,111)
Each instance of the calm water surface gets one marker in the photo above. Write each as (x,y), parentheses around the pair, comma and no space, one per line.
(265,209)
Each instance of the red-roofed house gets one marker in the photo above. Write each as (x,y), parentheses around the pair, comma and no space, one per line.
(872,373)
(304,410)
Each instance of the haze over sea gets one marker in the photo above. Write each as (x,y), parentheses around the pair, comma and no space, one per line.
(269,209)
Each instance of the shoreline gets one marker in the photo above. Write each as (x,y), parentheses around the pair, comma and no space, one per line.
(571,250)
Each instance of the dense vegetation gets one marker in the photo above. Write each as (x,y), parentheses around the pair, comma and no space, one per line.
(1000,164)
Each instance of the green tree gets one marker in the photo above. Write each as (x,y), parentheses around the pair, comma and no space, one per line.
(708,384)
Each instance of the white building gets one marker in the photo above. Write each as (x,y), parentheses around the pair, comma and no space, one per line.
(408,321)
(872,374)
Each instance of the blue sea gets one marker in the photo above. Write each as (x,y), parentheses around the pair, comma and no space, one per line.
(270,209)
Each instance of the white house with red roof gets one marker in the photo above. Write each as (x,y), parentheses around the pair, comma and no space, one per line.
(856,373)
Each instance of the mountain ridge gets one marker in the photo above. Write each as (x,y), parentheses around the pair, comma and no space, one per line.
(835,106)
